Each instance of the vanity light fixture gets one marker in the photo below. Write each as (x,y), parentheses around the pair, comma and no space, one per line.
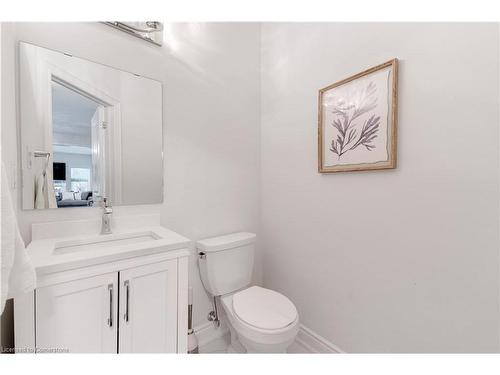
(151,31)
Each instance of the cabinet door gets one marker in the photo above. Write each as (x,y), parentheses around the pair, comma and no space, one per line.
(148,308)
(79,316)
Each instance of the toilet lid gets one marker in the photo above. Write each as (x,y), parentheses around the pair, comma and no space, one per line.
(264,308)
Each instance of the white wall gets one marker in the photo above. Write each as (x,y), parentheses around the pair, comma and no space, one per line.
(210,74)
(214,133)
(402,260)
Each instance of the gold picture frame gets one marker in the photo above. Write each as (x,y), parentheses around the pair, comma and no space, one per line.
(361,115)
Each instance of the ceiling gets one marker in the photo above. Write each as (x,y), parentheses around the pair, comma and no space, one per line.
(71,117)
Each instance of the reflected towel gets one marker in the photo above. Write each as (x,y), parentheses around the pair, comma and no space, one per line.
(44,190)
(39,195)
(17,274)
(49,184)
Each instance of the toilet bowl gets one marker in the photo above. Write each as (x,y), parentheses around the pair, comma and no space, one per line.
(260,320)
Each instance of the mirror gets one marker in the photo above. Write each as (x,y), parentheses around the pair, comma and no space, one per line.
(88,131)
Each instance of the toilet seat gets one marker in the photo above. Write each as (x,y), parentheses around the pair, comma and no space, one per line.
(245,328)
(264,308)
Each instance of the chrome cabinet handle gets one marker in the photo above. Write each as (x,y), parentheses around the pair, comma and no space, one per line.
(126,284)
(110,318)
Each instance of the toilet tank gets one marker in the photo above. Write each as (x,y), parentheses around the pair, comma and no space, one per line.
(226,262)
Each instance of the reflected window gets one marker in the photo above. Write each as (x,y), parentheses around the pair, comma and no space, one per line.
(80,179)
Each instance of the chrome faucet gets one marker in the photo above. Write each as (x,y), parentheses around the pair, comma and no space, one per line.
(106,217)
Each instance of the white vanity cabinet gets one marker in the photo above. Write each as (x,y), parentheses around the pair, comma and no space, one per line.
(79,315)
(148,308)
(127,299)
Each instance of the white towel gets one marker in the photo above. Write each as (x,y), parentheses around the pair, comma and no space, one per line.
(44,190)
(17,274)
(39,194)
(49,183)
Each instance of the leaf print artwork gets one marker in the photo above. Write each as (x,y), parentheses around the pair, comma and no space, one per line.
(350,135)
(357,121)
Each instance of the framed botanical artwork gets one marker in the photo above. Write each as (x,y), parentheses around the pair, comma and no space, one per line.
(357,121)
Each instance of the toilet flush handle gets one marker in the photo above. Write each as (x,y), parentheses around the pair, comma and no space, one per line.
(202,255)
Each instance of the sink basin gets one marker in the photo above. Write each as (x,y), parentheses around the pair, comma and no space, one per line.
(79,245)
(103,241)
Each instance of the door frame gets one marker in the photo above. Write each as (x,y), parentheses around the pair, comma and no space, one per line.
(112,109)
(47,73)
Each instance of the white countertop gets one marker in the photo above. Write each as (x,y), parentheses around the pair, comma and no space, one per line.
(45,260)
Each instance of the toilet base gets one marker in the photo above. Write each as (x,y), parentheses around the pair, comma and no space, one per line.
(235,346)
(240,344)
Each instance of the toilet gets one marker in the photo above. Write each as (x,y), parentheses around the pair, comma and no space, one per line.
(260,320)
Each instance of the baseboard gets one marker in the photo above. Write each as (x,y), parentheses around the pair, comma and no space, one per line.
(208,332)
(308,341)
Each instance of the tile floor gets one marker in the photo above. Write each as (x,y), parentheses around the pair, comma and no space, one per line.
(220,345)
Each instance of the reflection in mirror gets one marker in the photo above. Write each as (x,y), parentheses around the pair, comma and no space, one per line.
(88,131)
(75,119)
